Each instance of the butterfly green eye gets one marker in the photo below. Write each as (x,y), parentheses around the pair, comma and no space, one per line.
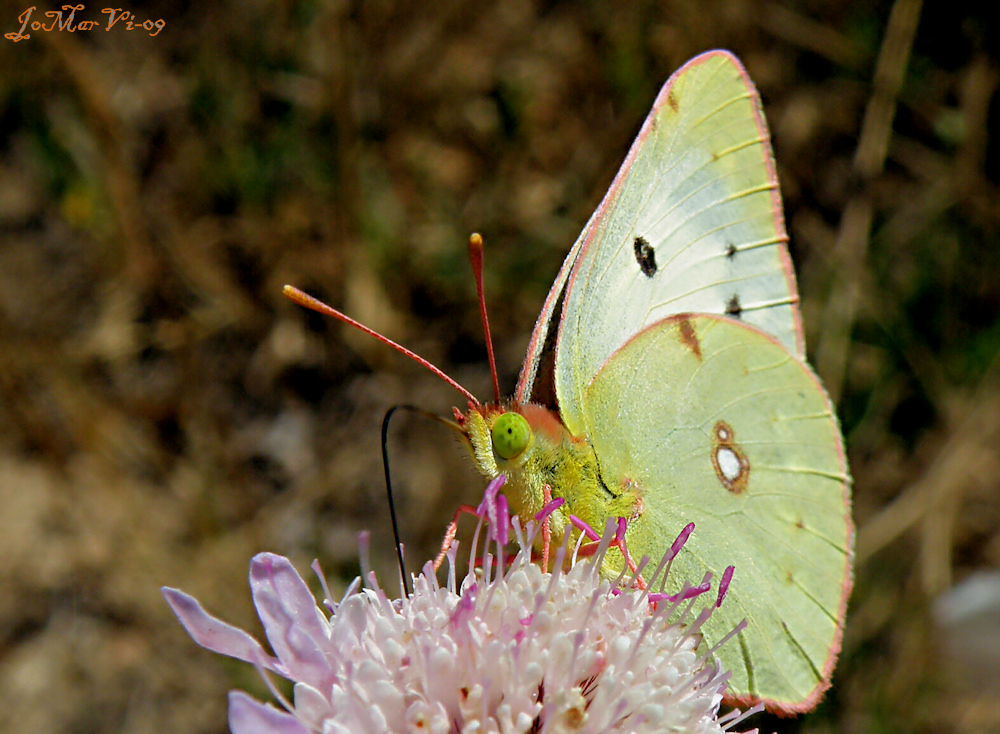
(510,434)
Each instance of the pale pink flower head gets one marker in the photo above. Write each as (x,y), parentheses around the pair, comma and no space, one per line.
(508,648)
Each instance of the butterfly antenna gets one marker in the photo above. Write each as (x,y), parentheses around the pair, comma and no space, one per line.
(388,478)
(304,299)
(388,490)
(476,258)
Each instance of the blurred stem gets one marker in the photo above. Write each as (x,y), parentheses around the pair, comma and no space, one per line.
(121,183)
(967,459)
(855,227)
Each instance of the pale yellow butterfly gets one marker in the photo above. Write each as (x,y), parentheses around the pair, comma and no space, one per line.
(671,348)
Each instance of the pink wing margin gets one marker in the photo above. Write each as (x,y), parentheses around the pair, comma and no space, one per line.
(526,380)
(793,708)
(536,346)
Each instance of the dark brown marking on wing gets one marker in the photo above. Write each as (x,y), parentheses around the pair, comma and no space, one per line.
(689,338)
(733,307)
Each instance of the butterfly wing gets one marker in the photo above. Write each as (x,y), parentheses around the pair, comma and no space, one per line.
(714,422)
(691,223)
(714,417)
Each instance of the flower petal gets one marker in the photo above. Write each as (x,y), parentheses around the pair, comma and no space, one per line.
(216,635)
(249,716)
(311,707)
(288,611)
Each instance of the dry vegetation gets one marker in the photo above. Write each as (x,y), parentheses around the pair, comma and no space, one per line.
(164,413)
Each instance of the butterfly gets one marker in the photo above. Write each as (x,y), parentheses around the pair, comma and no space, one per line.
(665,382)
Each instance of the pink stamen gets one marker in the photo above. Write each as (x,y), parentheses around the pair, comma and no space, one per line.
(735,717)
(727,576)
(486,507)
(488,504)
(735,631)
(551,505)
(682,538)
(675,548)
(465,606)
(502,520)
(327,596)
(683,595)
(364,557)
(584,528)
(619,543)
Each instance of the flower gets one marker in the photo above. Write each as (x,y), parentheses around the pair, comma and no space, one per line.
(511,648)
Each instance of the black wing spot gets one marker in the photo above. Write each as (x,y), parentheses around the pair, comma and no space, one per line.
(645,256)
(733,308)
(730,251)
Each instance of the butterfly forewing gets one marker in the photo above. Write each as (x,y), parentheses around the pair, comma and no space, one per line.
(712,421)
(692,223)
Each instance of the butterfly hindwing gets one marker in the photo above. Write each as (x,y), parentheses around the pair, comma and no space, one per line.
(713,422)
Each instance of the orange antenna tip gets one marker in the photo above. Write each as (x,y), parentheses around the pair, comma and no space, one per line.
(476,248)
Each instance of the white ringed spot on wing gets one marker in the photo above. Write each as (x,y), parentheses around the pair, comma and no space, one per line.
(730,463)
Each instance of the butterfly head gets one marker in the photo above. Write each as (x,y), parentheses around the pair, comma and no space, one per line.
(504,438)
(498,437)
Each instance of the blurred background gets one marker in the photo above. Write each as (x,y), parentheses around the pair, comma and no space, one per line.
(165,413)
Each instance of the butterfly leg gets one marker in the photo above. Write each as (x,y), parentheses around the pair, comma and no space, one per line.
(451,531)
(588,549)
(546,529)
(619,542)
